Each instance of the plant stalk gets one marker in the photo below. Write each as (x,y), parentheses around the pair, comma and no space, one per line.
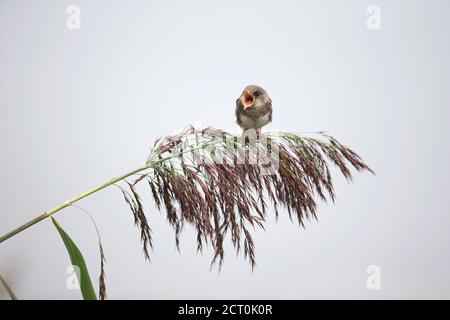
(8,288)
(68,203)
(94,190)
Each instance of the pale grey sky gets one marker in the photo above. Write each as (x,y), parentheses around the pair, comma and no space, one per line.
(79,107)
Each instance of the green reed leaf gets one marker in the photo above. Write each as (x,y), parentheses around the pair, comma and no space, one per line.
(76,257)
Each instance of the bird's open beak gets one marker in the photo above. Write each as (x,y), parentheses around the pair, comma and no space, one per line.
(247,99)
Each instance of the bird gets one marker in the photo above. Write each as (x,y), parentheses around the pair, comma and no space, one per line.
(253,108)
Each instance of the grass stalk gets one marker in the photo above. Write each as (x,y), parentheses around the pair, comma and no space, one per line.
(67,203)
(75,199)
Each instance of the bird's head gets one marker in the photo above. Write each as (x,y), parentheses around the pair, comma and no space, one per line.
(254,96)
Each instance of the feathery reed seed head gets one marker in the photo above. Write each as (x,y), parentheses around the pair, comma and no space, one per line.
(220,183)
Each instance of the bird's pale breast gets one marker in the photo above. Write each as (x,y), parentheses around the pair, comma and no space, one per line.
(254,123)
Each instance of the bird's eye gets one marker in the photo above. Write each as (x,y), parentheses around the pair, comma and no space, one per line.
(256,93)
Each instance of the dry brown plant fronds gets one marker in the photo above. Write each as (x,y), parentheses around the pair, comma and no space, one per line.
(222,184)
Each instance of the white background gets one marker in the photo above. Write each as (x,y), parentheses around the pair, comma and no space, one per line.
(80,107)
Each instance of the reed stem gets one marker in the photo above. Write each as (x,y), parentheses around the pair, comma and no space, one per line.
(68,203)
(92,191)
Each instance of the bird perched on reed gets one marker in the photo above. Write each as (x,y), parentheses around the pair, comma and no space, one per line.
(253,108)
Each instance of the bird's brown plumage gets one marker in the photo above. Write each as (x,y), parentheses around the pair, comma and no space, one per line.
(253,108)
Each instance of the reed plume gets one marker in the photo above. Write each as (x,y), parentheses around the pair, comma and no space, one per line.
(224,184)
(220,183)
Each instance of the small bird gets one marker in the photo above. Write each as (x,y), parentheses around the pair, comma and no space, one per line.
(253,108)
